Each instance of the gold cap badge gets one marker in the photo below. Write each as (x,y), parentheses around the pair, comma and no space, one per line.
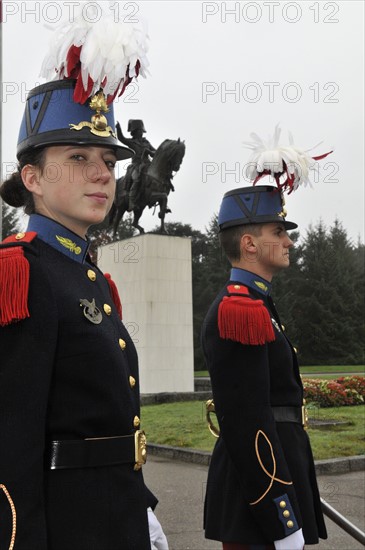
(284,211)
(99,124)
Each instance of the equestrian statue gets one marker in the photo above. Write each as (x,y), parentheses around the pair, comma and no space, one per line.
(146,182)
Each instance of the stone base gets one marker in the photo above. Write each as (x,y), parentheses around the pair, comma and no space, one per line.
(153,276)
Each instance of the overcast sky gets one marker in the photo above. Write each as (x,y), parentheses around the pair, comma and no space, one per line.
(219,71)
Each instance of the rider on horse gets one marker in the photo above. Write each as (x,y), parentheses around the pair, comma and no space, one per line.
(140,160)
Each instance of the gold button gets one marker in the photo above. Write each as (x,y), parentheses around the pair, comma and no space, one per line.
(295,349)
(122,344)
(107,309)
(91,274)
(19,236)
(282,504)
(237,286)
(286,514)
(283,328)
(132,381)
(136,422)
(290,524)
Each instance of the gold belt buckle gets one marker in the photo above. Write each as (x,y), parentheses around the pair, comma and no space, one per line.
(210,408)
(304,416)
(140,449)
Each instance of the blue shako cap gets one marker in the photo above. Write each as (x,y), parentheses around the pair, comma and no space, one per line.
(252,205)
(51,114)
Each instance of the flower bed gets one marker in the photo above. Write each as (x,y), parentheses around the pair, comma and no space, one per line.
(347,390)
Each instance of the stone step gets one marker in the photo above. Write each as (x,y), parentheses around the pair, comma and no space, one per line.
(202,384)
(173,397)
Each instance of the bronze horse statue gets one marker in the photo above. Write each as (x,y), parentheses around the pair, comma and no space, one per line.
(155,185)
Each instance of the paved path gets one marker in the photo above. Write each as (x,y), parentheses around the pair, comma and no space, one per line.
(180,488)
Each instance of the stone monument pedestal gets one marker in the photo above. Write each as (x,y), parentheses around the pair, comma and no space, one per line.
(154,279)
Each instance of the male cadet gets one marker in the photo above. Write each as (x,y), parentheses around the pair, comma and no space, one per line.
(261,490)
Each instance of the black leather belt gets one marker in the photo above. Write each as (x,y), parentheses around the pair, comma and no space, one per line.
(298,415)
(93,452)
(290,414)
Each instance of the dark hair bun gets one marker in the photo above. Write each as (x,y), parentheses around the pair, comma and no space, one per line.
(13,191)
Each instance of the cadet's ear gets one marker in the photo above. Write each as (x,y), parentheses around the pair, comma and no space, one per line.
(247,245)
(30,176)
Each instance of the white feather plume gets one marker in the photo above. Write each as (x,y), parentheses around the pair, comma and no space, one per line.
(109,53)
(270,158)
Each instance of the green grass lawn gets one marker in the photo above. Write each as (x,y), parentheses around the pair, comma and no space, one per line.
(346,440)
(333,368)
(308,370)
(183,424)
(180,424)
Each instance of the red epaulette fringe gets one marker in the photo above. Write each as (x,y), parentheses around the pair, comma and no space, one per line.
(14,285)
(115,294)
(242,319)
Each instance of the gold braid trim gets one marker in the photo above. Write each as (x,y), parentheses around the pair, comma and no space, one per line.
(271,476)
(13,513)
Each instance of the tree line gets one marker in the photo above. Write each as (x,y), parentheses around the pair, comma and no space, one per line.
(320,297)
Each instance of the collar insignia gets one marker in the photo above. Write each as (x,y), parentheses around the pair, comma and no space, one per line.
(261,285)
(70,245)
(252,280)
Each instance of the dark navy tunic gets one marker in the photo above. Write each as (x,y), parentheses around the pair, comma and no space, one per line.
(261,482)
(64,377)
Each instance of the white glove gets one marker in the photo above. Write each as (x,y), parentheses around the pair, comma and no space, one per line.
(292,542)
(157,536)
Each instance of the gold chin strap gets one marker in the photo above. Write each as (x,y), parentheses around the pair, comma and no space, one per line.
(13,513)
(210,408)
(271,476)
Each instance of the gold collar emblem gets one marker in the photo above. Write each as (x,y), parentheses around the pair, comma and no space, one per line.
(70,245)
(99,124)
(261,285)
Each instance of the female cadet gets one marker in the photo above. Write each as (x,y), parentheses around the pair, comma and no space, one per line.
(71,447)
